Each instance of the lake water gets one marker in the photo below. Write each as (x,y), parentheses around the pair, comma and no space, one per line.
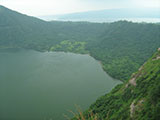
(44,86)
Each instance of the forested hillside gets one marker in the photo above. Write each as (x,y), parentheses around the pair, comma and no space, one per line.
(137,99)
(125,46)
(122,47)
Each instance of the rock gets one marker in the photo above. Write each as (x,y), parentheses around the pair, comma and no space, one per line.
(133,81)
(132,109)
(158,57)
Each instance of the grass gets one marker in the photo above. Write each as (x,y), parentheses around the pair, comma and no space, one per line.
(80,116)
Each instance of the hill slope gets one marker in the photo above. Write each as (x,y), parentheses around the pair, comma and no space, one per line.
(137,99)
(17,29)
(121,46)
(20,30)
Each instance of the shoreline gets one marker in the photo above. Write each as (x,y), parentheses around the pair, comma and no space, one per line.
(88,54)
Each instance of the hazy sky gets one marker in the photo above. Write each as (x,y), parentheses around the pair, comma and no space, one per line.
(50,7)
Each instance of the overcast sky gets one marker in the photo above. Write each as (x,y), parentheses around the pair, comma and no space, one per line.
(51,7)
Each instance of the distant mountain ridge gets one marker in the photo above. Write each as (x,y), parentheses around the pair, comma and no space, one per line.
(108,14)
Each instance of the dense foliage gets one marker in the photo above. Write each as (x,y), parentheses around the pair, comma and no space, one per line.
(129,101)
(122,47)
(125,46)
(69,46)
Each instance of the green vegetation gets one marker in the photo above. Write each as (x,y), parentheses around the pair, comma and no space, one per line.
(129,101)
(68,46)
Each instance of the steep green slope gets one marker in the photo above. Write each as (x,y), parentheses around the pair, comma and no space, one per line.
(122,47)
(137,99)
(125,46)
(19,30)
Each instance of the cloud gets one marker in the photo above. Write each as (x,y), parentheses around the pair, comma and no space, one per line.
(146,3)
(40,7)
(47,7)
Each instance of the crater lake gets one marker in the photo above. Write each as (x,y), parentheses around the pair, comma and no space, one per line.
(47,85)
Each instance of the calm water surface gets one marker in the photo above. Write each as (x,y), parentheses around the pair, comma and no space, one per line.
(44,86)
